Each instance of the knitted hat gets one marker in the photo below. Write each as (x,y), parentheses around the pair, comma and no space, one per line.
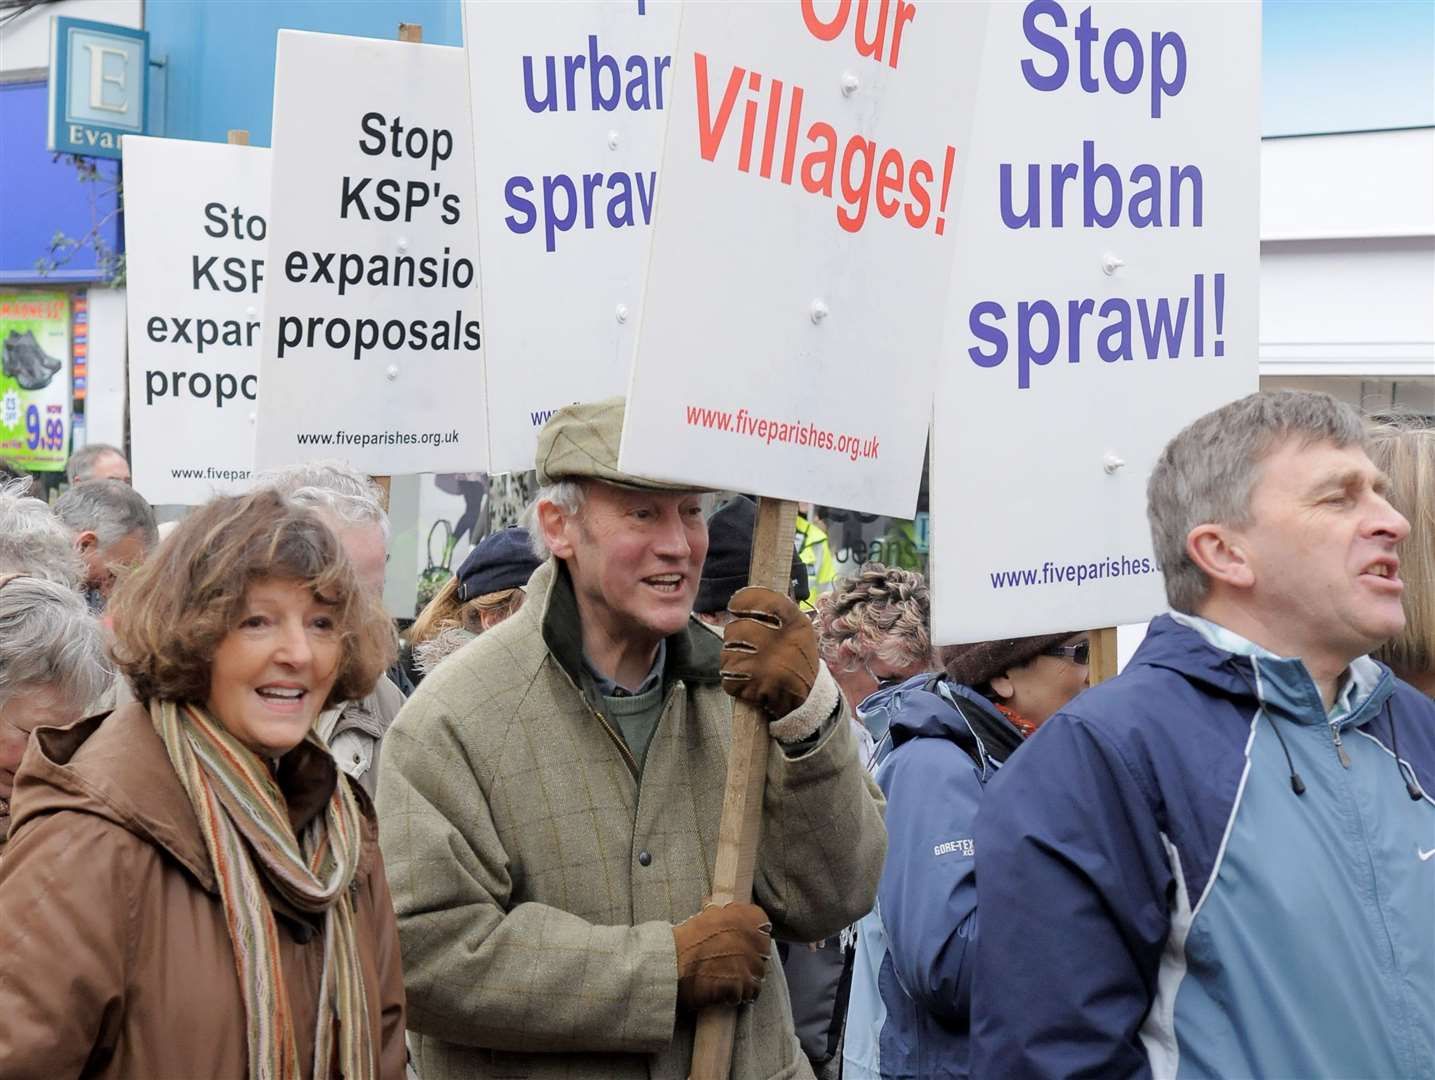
(580,442)
(730,553)
(979,663)
(501,560)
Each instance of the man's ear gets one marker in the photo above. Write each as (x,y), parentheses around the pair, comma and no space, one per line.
(86,541)
(1221,555)
(1002,686)
(554,525)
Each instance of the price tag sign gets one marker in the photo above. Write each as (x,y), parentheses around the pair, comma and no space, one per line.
(35,380)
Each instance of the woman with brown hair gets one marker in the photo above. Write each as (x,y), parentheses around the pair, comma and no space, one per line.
(1403,447)
(192,887)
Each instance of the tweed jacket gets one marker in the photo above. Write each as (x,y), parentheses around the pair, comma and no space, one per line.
(537,872)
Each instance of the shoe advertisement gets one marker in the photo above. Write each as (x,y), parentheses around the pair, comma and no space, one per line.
(35,379)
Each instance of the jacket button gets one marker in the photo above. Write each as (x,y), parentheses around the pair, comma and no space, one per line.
(303,933)
(644,859)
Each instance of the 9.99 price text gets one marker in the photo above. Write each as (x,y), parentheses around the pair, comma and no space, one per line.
(50,436)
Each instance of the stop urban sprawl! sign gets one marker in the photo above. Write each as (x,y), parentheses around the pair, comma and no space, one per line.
(1105,297)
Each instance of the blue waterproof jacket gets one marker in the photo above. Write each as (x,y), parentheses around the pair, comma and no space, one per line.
(1157,900)
(911,980)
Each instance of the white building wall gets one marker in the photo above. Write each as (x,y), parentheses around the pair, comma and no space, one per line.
(1348,256)
(25,43)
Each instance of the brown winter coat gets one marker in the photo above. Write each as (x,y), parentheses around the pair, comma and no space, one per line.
(538,870)
(115,960)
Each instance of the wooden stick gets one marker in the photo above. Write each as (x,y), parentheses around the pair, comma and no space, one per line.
(238,137)
(771,567)
(1103,654)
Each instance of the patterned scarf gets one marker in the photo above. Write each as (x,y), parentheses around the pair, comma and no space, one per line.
(246,828)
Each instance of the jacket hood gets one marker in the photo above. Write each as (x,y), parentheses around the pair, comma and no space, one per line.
(933,706)
(115,767)
(920,711)
(1279,684)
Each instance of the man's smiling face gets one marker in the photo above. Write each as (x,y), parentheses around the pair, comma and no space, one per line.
(637,557)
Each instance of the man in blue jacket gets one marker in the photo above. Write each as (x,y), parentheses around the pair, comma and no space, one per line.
(1222,862)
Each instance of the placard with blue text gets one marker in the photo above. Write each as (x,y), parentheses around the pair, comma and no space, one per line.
(1104,297)
(569,108)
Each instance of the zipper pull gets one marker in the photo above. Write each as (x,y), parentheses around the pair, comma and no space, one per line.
(1340,747)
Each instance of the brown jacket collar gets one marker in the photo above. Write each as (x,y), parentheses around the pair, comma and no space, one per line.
(116,767)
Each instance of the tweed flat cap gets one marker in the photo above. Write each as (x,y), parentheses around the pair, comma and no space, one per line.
(580,442)
(979,663)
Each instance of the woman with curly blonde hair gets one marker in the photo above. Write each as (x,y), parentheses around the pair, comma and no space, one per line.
(873,632)
(210,879)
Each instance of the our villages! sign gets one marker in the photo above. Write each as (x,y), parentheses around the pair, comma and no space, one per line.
(802,245)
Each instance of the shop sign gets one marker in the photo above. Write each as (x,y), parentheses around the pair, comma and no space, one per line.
(35,380)
(99,86)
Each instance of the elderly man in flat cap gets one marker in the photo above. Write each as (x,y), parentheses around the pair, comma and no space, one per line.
(552,794)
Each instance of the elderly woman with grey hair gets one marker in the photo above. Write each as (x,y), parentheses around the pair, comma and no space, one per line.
(52,663)
(32,539)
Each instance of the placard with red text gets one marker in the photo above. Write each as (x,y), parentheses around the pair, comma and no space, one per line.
(803,241)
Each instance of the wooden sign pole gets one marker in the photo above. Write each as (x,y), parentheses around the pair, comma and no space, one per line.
(238,137)
(1103,654)
(770,567)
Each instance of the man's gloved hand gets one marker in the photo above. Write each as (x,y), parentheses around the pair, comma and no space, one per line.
(722,955)
(769,652)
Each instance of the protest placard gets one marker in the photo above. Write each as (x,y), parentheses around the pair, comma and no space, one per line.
(802,247)
(35,381)
(1105,296)
(196,229)
(568,120)
(372,342)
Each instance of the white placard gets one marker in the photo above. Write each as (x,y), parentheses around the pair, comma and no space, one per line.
(1087,327)
(196,219)
(372,338)
(569,108)
(802,247)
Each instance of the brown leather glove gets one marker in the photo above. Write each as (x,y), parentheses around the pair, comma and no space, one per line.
(722,955)
(769,652)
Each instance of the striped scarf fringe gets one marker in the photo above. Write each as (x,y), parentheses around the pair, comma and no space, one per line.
(246,829)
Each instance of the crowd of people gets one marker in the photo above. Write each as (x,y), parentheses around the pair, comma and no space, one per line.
(247,831)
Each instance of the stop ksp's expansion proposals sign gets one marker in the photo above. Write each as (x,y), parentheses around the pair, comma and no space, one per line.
(195,237)
(802,247)
(372,337)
